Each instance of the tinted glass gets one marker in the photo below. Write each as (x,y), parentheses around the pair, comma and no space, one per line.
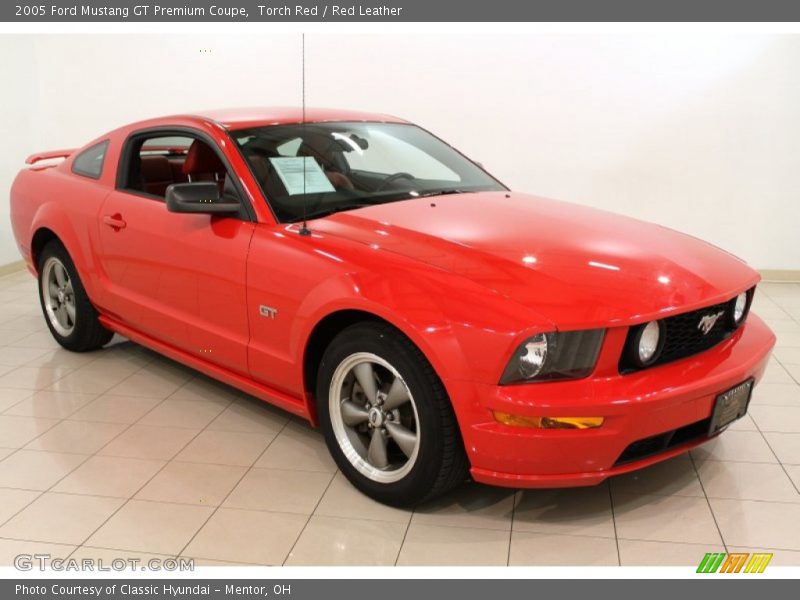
(89,163)
(331,167)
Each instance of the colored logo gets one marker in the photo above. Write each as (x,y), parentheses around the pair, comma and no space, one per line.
(735,562)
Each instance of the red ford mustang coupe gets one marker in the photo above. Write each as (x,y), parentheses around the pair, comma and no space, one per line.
(357,271)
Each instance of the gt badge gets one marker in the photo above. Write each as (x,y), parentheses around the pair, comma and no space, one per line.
(267,311)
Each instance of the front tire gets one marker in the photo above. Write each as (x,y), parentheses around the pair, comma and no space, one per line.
(386,417)
(69,314)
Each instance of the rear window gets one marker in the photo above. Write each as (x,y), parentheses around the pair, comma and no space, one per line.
(89,163)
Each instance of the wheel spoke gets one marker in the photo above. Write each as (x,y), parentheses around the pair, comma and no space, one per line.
(52,289)
(366,379)
(398,395)
(61,315)
(353,414)
(377,450)
(405,438)
(60,273)
(70,311)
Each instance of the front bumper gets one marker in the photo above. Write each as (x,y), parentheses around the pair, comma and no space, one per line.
(676,396)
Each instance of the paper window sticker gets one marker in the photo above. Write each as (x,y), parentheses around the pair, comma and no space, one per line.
(301,175)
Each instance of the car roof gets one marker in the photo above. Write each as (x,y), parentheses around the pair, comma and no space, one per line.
(241,118)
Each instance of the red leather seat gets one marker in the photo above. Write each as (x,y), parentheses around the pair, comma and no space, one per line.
(203,164)
(156,175)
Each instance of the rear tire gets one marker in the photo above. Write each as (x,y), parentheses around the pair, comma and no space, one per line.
(70,316)
(387,419)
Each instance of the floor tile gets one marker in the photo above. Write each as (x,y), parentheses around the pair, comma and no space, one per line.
(194,414)
(788,356)
(62,359)
(192,483)
(250,536)
(15,432)
(528,548)
(12,501)
(141,441)
(776,394)
(95,378)
(298,447)
(279,490)
(775,373)
(82,437)
(60,518)
(758,524)
(10,549)
(16,357)
(202,388)
(641,517)
(9,398)
(432,545)
(156,380)
(31,378)
(736,446)
(471,505)
(786,446)
(341,499)
(673,477)
(252,416)
(746,481)
(115,409)
(38,339)
(638,553)
(33,470)
(55,405)
(225,448)
(151,527)
(110,476)
(577,511)
(335,541)
(777,418)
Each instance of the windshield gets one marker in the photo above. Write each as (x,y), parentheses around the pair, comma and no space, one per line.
(324,168)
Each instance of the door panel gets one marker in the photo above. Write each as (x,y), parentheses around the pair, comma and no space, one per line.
(179,278)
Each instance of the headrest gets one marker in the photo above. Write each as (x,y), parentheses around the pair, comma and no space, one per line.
(201,159)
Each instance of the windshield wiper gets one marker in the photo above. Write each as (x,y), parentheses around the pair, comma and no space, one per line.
(444,192)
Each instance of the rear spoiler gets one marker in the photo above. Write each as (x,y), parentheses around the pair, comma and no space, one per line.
(40,156)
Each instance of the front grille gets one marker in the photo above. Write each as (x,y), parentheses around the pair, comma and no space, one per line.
(683,336)
(662,442)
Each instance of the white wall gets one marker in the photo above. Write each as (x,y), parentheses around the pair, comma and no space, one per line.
(697,132)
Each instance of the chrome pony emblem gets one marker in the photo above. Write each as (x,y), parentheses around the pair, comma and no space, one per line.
(707,323)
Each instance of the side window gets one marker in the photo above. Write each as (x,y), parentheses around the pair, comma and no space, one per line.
(89,163)
(156,162)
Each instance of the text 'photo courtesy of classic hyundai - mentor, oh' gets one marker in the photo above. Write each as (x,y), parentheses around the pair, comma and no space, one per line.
(357,271)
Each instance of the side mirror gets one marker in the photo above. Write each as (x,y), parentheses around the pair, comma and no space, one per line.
(200,197)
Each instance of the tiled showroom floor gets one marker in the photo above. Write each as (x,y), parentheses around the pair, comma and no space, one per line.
(122,453)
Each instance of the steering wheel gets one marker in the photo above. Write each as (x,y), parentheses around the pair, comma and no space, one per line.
(392,178)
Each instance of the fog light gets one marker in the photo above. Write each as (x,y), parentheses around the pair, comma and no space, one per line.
(548,422)
(649,341)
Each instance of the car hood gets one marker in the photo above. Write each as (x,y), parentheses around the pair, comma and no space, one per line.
(578,266)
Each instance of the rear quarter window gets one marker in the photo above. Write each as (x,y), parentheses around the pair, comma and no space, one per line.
(89,163)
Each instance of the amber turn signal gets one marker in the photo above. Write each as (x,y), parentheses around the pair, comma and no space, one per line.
(548,422)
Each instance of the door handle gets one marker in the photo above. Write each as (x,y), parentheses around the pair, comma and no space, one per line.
(116,222)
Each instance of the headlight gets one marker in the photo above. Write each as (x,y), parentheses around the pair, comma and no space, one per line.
(558,355)
(739,308)
(645,346)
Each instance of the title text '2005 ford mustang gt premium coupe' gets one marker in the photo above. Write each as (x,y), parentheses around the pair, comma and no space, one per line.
(357,271)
